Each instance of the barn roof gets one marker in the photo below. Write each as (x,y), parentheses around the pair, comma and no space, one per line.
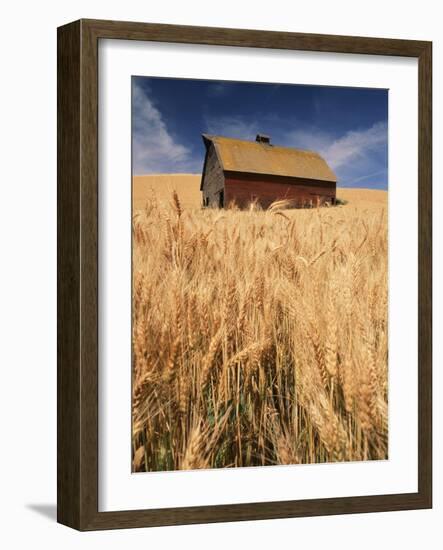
(238,155)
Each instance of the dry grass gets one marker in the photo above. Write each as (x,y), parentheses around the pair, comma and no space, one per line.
(187,186)
(259,338)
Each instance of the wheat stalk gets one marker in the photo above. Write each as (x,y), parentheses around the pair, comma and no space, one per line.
(259,337)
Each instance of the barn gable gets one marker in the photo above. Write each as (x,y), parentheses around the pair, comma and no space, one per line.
(213,180)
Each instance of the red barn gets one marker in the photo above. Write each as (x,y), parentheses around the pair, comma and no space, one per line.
(242,172)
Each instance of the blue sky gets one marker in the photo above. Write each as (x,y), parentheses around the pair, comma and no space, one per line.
(348,126)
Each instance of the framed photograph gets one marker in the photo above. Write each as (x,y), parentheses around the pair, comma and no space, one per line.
(244,275)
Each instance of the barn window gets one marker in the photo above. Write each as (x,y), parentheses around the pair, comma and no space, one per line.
(221,199)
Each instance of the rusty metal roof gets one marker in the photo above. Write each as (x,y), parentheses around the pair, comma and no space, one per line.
(238,155)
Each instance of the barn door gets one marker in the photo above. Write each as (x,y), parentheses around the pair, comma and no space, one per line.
(221,199)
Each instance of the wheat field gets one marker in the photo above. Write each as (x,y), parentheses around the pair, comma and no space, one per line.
(259,337)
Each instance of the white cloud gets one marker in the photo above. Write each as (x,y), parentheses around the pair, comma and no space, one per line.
(355,156)
(154,148)
(218,89)
(354,145)
(369,176)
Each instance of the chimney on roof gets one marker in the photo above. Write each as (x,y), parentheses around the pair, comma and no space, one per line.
(262,138)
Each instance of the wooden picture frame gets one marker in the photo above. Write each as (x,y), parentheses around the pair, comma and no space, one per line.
(77,456)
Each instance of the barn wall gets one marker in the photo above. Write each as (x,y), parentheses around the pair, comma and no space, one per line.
(214,179)
(245,188)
